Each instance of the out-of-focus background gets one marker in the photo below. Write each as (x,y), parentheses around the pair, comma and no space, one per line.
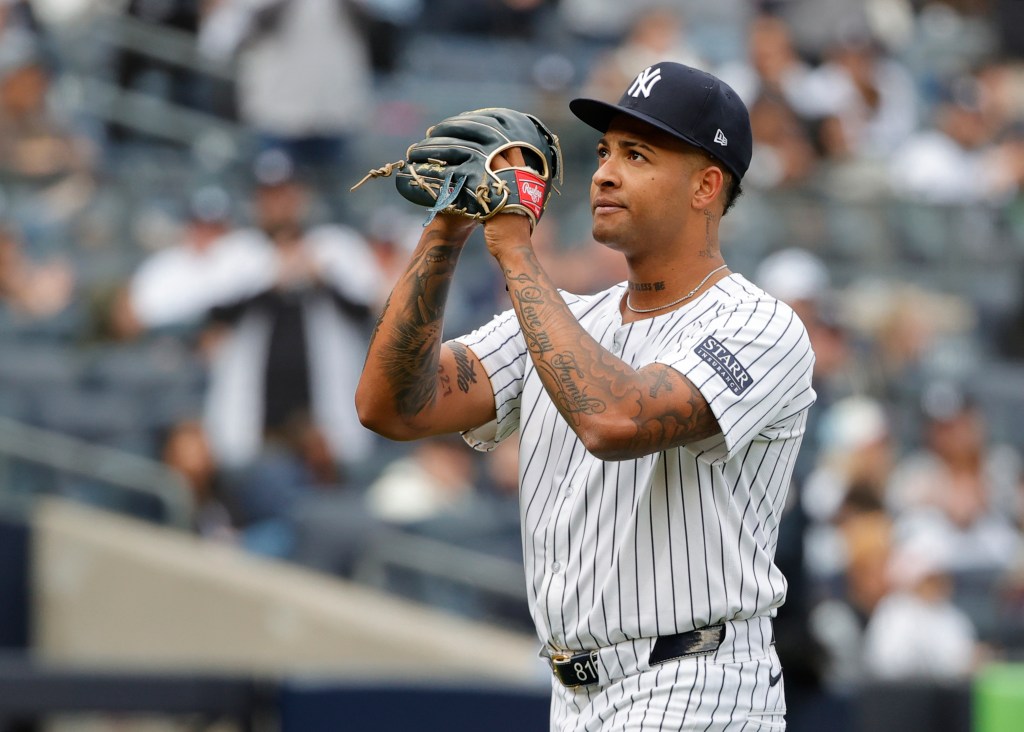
(195,531)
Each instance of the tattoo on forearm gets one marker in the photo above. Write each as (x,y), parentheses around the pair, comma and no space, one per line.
(530,299)
(410,356)
(565,379)
(380,319)
(690,422)
(584,379)
(465,371)
(661,381)
(573,398)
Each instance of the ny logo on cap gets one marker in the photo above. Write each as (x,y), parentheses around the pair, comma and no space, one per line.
(644,82)
(721,139)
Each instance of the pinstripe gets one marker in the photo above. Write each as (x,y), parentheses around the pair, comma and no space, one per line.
(647,707)
(704,545)
(668,698)
(686,543)
(671,541)
(697,668)
(718,704)
(721,547)
(753,688)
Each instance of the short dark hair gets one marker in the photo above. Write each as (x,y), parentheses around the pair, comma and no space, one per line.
(733,190)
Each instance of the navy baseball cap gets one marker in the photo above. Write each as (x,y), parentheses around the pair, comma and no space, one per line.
(689,104)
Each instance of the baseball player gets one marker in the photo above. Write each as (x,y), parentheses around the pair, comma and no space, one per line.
(659,420)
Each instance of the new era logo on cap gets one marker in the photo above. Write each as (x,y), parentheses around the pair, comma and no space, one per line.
(721,139)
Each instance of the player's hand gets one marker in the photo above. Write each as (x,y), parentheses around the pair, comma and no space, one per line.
(507,229)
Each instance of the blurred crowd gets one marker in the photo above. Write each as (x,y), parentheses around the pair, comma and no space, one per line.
(242,294)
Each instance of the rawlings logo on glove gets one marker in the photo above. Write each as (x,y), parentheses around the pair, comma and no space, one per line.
(450,171)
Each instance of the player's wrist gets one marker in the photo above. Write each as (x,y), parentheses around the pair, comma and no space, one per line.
(452,227)
(508,236)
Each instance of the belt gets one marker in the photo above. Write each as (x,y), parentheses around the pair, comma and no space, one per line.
(580,669)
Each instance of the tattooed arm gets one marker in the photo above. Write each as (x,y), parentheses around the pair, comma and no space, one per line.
(412,384)
(618,412)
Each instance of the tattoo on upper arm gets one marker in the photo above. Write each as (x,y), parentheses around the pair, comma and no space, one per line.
(444,381)
(465,370)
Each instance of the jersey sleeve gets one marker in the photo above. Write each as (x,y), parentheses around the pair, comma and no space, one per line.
(752,362)
(502,351)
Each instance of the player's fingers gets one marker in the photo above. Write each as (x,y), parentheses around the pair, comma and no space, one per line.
(512,157)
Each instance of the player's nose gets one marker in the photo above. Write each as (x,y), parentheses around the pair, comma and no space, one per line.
(606,175)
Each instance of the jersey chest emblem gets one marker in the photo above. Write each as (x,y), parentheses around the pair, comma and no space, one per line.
(725,364)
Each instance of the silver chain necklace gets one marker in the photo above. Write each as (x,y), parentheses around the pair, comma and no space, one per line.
(687,296)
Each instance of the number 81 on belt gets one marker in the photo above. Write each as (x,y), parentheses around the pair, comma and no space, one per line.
(577,670)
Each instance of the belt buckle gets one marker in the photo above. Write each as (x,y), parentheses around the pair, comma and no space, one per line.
(578,669)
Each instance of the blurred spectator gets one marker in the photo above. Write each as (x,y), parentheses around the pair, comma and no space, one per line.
(285,307)
(654,34)
(917,632)
(959,487)
(872,99)
(852,472)
(519,19)
(304,76)
(294,465)
(173,82)
(392,233)
(801,279)
(775,83)
(961,159)
(178,286)
(187,452)
(839,622)
(33,291)
(35,143)
(603,22)
(291,346)
(436,478)
(904,328)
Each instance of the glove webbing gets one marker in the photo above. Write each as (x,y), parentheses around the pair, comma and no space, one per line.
(447,193)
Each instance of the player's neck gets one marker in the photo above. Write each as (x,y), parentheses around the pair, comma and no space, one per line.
(653,291)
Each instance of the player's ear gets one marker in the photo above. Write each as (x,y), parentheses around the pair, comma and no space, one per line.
(708,182)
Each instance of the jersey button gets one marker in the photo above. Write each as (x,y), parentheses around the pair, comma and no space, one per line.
(556,567)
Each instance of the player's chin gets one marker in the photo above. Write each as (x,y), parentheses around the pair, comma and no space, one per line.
(610,237)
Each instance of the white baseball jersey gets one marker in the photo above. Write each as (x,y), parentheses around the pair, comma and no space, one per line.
(676,540)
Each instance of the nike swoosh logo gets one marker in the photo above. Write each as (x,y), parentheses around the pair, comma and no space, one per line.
(773,679)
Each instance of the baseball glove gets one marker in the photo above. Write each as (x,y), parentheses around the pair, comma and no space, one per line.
(451,170)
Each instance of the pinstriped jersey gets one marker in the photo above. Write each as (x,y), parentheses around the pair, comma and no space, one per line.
(675,540)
